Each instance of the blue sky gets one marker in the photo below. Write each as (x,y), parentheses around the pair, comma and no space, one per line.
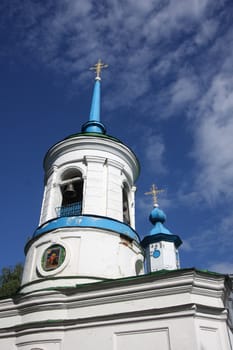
(168,94)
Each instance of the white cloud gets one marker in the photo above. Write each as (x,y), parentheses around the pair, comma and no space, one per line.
(154,149)
(183,91)
(173,17)
(195,8)
(207,32)
(214,141)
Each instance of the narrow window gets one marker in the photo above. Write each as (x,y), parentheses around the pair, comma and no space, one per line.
(139,267)
(126,216)
(72,193)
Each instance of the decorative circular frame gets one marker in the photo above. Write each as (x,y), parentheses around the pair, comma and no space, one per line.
(156,253)
(53,259)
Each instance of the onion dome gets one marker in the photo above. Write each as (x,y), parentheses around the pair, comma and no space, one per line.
(157,218)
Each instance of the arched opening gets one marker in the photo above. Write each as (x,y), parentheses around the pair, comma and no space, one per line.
(139,267)
(72,193)
(125,203)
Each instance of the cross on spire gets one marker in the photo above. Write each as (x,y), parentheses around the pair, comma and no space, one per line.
(98,67)
(154,192)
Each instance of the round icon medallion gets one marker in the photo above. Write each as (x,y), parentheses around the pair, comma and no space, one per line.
(53,257)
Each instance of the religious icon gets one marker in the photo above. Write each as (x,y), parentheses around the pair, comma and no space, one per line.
(53,257)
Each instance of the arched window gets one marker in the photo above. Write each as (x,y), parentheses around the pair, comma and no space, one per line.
(72,193)
(139,267)
(125,203)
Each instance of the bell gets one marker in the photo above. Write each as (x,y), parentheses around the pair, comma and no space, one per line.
(69,191)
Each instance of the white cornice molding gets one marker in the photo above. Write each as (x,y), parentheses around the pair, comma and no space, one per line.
(93,143)
(122,317)
(178,293)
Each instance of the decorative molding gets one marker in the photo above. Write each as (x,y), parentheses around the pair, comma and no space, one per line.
(82,143)
(95,159)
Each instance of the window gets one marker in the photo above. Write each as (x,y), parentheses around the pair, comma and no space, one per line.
(126,216)
(72,193)
(139,267)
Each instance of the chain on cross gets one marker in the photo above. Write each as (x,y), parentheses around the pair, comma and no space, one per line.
(98,67)
(154,192)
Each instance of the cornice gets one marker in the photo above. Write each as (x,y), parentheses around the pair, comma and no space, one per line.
(111,301)
(92,143)
(141,287)
(185,310)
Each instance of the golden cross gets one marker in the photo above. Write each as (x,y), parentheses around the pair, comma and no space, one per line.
(154,192)
(98,67)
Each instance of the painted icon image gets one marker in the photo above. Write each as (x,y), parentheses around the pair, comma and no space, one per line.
(53,257)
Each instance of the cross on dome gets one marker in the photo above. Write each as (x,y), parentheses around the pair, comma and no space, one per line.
(98,67)
(154,192)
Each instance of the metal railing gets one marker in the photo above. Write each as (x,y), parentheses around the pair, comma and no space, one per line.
(73,209)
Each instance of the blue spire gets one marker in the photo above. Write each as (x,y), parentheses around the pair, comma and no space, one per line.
(95,105)
(94,124)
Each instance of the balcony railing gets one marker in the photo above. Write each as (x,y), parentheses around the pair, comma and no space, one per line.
(73,209)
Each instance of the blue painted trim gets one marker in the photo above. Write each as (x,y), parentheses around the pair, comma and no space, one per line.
(88,221)
(161,237)
(94,127)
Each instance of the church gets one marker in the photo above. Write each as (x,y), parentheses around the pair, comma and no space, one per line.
(89,281)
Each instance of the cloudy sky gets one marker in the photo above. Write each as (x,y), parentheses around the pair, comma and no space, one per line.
(168,94)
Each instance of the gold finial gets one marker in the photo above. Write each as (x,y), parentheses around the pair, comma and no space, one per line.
(154,192)
(98,67)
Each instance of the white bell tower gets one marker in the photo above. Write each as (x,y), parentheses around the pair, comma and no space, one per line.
(87,223)
(161,245)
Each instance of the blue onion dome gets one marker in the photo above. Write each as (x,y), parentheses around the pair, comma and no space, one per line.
(157,215)
(157,218)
